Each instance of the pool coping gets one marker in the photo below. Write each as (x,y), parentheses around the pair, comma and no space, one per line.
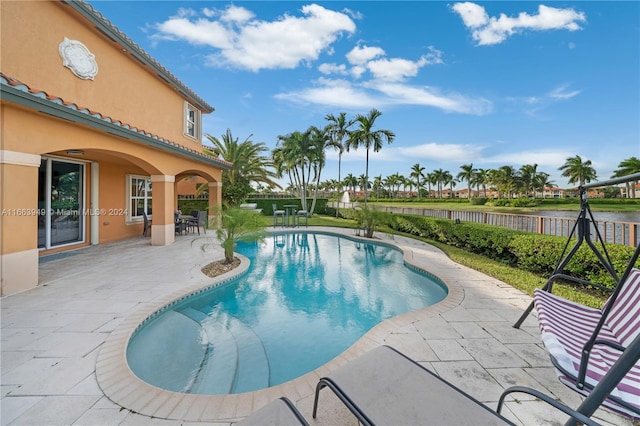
(118,382)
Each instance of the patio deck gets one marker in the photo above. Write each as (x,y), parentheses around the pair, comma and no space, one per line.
(62,343)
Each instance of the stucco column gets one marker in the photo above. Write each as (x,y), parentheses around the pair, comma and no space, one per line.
(215,203)
(162,225)
(18,221)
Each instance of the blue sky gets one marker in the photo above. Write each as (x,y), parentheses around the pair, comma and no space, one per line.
(488,83)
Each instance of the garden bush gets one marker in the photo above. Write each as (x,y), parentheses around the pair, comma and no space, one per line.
(535,253)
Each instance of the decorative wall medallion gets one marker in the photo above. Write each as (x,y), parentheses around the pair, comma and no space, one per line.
(78,59)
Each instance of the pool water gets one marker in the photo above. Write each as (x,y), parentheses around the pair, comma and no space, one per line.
(304,300)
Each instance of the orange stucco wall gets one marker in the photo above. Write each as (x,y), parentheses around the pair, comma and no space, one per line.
(123,89)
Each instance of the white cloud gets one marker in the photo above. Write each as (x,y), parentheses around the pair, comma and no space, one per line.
(395,69)
(461,153)
(494,30)
(377,93)
(424,96)
(237,15)
(543,158)
(561,93)
(361,55)
(333,93)
(332,69)
(245,42)
(472,15)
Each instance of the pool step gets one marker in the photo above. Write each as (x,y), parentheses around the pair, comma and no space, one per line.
(253,365)
(153,358)
(228,368)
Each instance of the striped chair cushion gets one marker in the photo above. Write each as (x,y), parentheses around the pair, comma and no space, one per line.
(624,318)
(566,326)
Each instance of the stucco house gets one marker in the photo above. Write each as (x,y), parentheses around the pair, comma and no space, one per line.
(94,134)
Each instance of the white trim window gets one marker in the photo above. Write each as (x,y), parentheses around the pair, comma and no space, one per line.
(139,196)
(192,121)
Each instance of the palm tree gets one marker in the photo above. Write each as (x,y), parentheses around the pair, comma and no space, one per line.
(482,179)
(506,180)
(363,183)
(365,136)
(467,173)
(627,167)
(448,179)
(439,177)
(338,131)
(319,140)
(528,174)
(350,181)
(578,171)
(541,181)
(377,185)
(430,178)
(302,153)
(249,165)
(417,172)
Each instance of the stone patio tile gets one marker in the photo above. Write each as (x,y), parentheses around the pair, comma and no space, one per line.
(57,410)
(469,330)
(436,328)
(13,359)
(484,314)
(470,377)
(30,371)
(412,345)
(101,416)
(449,350)
(535,355)
(62,344)
(89,322)
(490,353)
(20,338)
(458,314)
(15,406)
(505,333)
(60,378)
(508,377)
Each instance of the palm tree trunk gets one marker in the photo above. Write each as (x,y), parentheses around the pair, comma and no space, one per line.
(366,177)
(339,184)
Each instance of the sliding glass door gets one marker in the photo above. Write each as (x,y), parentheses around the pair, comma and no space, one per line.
(61,203)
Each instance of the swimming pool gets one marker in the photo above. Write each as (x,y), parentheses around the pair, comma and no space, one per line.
(304,300)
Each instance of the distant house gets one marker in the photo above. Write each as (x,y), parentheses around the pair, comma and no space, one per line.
(95,133)
(624,188)
(552,192)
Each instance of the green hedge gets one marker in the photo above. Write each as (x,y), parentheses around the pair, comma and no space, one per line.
(187,205)
(524,250)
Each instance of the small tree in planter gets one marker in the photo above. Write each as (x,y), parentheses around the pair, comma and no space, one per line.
(238,225)
(233,225)
(367,219)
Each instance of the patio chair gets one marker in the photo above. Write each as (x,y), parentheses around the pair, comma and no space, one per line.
(279,412)
(385,387)
(302,214)
(199,220)
(146,230)
(180,225)
(584,342)
(278,214)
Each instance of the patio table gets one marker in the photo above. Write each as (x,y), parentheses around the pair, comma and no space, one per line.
(290,211)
